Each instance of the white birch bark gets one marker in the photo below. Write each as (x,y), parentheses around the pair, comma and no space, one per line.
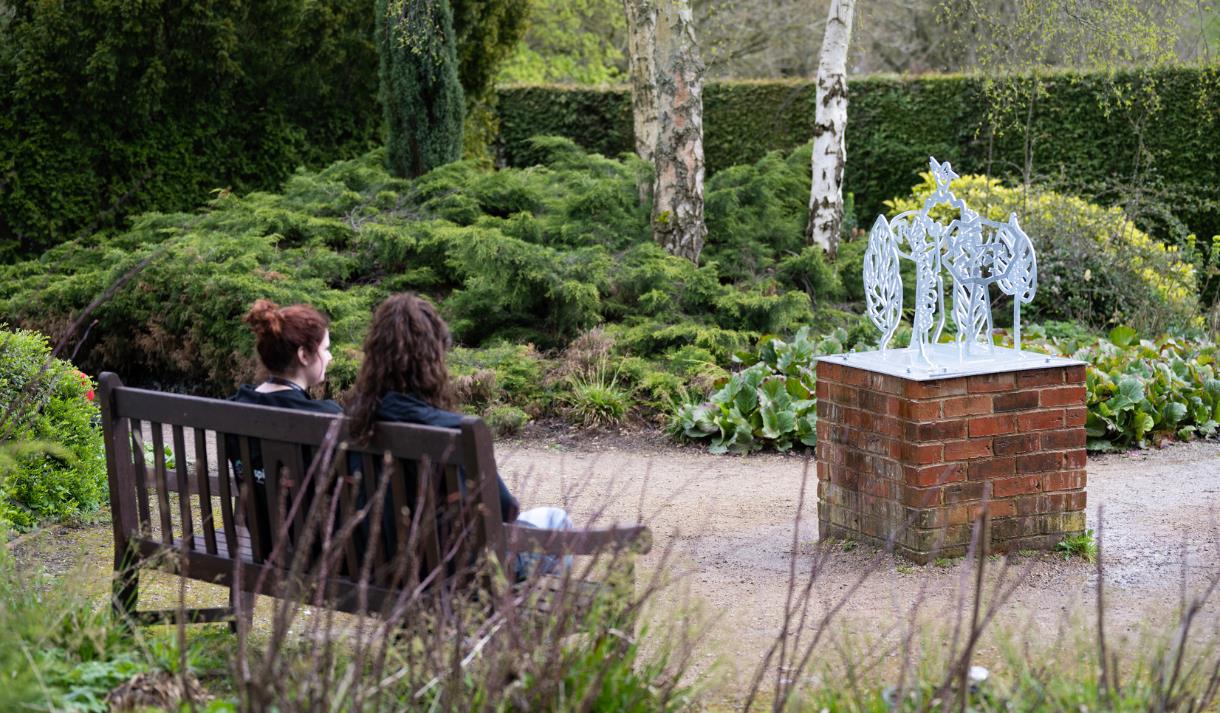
(829,129)
(677,208)
(641,50)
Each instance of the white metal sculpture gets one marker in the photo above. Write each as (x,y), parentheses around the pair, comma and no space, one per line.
(975,251)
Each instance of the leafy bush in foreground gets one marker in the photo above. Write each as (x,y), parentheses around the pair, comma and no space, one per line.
(1140,390)
(772,402)
(51,459)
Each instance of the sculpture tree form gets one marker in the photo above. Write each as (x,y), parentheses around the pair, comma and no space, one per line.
(975,251)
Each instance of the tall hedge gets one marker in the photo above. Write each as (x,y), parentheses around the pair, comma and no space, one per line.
(1089,131)
(114,107)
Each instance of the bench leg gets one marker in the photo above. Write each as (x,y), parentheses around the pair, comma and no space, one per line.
(125,587)
(243,606)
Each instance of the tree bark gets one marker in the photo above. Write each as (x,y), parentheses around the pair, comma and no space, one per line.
(677,208)
(641,49)
(829,129)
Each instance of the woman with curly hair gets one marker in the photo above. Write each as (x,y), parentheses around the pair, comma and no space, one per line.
(404,378)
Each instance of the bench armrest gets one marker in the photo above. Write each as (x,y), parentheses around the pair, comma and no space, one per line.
(577,542)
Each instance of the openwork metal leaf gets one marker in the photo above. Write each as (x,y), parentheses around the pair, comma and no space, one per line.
(976,252)
(882,281)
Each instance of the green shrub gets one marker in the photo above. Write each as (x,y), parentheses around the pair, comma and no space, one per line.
(596,399)
(771,402)
(55,408)
(1140,390)
(1094,265)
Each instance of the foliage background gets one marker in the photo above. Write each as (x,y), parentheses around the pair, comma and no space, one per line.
(1093,134)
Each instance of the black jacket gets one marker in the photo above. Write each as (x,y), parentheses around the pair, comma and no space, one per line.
(406,408)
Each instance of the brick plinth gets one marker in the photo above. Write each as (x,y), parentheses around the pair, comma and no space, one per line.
(917,461)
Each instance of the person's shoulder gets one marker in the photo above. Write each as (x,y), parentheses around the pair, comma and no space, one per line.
(408,408)
(288,398)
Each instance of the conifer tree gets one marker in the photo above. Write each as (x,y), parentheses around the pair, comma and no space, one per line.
(420,91)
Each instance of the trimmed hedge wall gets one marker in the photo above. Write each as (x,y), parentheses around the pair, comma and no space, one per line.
(1081,140)
(109,109)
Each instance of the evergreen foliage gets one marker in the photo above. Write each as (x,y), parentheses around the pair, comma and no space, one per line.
(1092,134)
(110,108)
(486,31)
(537,255)
(420,92)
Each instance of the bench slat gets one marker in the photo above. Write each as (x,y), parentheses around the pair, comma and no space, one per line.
(184,494)
(141,474)
(158,455)
(248,512)
(204,483)
(403,440)
(226,493)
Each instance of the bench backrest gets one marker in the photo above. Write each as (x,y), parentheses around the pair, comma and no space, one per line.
(220,517)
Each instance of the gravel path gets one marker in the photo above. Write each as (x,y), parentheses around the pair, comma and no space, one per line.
(731,522)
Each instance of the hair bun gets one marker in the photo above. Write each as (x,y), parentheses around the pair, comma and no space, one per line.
(264,318)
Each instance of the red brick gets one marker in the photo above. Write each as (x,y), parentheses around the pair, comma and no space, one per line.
(844,477)
(935,388)
(970,448)
(1063,396)
(921,410)
(936,430)
(958,514)
(1038,462)
(995,508)
(921,497)
(1074,374)
(823,470)
(884,404)
(984,383)
(1040,420)
(886,384)
(992,468)
(1075,458)
(842,395)
(1015,401)
(922,454)
(1039,377)
(823,429)
(1028,504)
(822,389)
(967,405)
(992,425)
(1075,416)
(940,474)
(829,370)
(1067,438)
(965,492)
(1020,485)
(1076,501)
(879,487)
(855,377)
(1015,445)
(1063,480)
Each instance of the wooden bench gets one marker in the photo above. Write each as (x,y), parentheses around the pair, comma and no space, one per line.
(212,532)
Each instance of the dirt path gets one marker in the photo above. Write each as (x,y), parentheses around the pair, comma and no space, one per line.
(732,519)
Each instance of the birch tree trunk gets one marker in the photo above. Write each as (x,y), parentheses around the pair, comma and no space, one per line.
(677,208)
(829,128)
(641,50)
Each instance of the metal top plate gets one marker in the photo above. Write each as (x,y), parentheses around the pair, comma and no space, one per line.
(948,361)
